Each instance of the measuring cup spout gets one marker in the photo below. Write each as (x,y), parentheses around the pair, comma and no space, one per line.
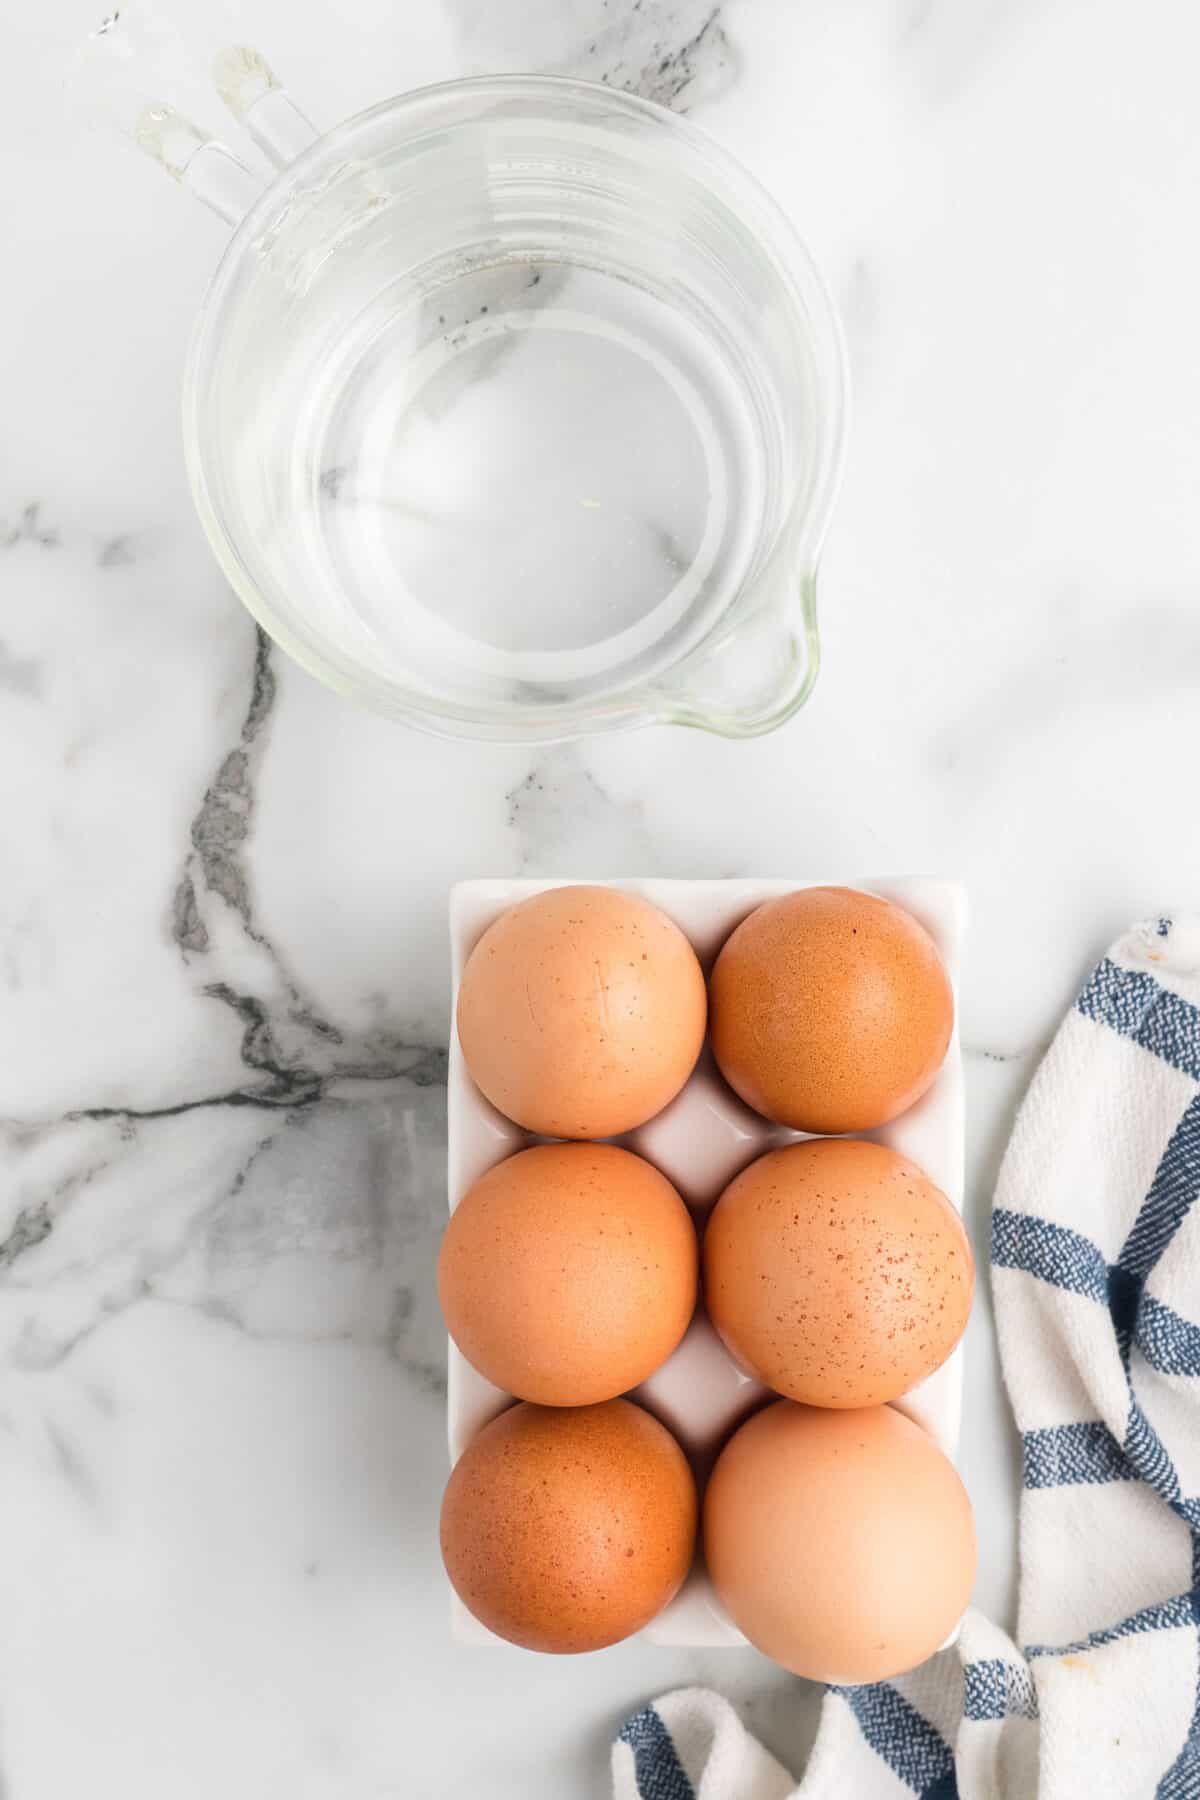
(755,674)
(135,76)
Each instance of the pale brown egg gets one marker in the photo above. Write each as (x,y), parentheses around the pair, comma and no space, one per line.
(581,1012)
(830,1010)
(566,1529)
(837,1273)
(568,1273)
(841,1543)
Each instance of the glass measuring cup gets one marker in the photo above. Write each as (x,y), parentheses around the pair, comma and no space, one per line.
(515,409)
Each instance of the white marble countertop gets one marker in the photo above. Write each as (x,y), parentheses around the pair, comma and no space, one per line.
(222,921)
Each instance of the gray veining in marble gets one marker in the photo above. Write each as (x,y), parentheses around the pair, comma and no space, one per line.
(560,808)
(675,52)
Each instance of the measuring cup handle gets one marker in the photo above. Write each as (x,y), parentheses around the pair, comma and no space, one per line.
(250,89)
(757,672)
(127,77)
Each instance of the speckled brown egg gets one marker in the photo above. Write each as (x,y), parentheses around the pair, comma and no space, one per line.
(566,1529)
(830,1010)
(837,1273)
(581,1012)
(842,1543)
(568,1273)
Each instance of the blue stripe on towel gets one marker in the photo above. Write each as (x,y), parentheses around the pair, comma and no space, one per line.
(1066,1455)
(1172,1192)
(910,1746)
(1053,1253)
(656,1767)
(995,1689)
(1166,1615)
(1182,1779)
(1145,1450)
(1169,1343)
(1132,1003)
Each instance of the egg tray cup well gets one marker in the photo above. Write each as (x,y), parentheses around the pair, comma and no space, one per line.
(700,1141)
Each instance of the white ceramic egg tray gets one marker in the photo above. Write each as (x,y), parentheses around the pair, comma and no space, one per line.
(700,1142)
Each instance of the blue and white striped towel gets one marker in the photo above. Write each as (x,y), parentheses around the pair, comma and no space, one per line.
(1096,1278)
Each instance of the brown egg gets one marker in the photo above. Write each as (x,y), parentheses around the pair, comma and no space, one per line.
(837,1273)
(567,1529)
(568,1273)
(841,1543)
(581,1012)
(830,1010)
